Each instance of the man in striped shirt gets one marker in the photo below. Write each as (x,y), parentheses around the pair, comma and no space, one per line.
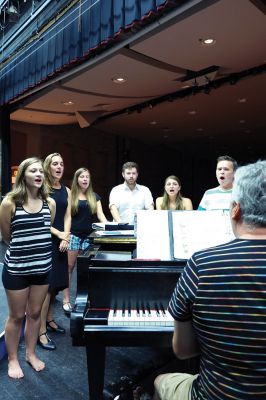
(219,306)
(219,198)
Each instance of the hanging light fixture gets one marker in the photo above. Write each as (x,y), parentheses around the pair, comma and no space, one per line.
(13,13)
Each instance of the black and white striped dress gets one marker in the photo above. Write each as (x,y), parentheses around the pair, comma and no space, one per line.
(30,248)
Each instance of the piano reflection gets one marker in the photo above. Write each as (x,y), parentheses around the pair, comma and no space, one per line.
(120,302)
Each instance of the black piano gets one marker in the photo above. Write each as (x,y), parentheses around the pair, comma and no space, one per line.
(120,302)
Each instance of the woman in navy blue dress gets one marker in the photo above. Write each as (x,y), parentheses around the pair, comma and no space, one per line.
(54,169)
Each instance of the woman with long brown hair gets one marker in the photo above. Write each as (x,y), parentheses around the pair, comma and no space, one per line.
(26,214)
(172,198)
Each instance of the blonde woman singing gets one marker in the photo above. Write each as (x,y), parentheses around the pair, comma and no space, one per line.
(84,204)
(26,214)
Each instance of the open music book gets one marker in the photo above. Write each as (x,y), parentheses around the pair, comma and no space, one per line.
(169,235)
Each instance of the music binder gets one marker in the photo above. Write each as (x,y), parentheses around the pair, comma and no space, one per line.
(112,226)
(176,235)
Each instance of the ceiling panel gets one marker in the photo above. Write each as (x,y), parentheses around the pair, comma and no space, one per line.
(155,65)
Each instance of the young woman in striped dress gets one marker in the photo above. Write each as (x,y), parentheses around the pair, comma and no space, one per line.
(26,215)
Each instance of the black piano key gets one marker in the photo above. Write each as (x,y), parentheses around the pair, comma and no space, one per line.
(137,309)
(148,309)
(157,310)
(162,309)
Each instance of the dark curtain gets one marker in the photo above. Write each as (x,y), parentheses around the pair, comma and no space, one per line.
(5,150)
(89,26)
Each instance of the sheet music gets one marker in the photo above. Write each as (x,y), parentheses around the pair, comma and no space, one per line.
(153,235)
(197,230)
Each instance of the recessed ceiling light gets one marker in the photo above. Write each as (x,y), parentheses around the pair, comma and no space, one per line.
(167,130)
(199,129)
(242,100)
(119,80)
(207,41)
(68,103)
(192,112)
(242,121)
(153,122)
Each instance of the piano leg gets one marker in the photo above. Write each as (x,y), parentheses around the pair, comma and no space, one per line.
(96,368)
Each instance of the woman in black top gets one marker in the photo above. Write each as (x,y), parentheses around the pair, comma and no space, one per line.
(84,203)
(54,169)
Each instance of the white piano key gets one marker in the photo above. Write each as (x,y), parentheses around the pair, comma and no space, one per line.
(119,318)
(111,317)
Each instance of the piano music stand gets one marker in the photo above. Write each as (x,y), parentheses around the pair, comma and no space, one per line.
(115,243)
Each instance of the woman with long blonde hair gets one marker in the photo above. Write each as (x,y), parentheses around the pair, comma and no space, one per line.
(26,215)
(84,204)
(172,198)
(54,169)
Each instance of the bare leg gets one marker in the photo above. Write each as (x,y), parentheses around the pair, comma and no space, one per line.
(72,257)
(37,295)
(44,313)
(17,301)
(49,317)
(50,311)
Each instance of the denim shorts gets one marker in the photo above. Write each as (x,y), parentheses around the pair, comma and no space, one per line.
(77,243)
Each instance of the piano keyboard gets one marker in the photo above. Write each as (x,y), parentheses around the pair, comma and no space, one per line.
(139,316)
(148,318)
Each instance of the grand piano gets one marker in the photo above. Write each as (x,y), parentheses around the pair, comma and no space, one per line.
(120,301)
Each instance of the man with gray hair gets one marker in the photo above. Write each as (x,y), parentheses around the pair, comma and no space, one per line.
(219,306)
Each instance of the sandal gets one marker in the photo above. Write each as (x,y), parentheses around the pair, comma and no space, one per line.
(49,345)
(67,307)
(57,328)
